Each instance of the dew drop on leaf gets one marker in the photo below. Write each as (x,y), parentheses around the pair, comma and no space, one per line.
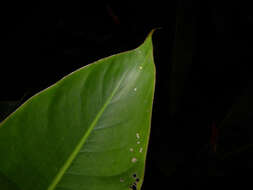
(134,160)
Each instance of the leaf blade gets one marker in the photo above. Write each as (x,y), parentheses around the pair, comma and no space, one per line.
(59,99)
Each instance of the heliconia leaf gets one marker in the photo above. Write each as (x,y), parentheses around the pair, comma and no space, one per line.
(89,131)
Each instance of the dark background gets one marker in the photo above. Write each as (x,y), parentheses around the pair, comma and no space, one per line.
(203,54)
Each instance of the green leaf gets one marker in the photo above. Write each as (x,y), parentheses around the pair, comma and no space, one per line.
(89,131)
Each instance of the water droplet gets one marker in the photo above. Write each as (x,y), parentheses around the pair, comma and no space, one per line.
(131,149)
(140,67)
(137,135)
(138,142)
(141,149)
(121,180)
(134,160)
(135,89)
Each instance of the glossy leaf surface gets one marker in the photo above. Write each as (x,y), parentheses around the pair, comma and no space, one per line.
(89,131)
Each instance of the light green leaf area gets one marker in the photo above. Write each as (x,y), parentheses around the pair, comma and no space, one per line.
(89,131)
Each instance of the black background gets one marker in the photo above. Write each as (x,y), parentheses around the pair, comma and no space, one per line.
(202,54)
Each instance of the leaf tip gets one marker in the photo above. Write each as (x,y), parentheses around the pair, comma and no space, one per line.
(150,35)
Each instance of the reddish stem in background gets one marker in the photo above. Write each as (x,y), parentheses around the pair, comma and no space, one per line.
(114,17)
(214,136)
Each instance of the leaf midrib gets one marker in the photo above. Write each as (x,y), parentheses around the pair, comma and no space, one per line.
(73,155)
